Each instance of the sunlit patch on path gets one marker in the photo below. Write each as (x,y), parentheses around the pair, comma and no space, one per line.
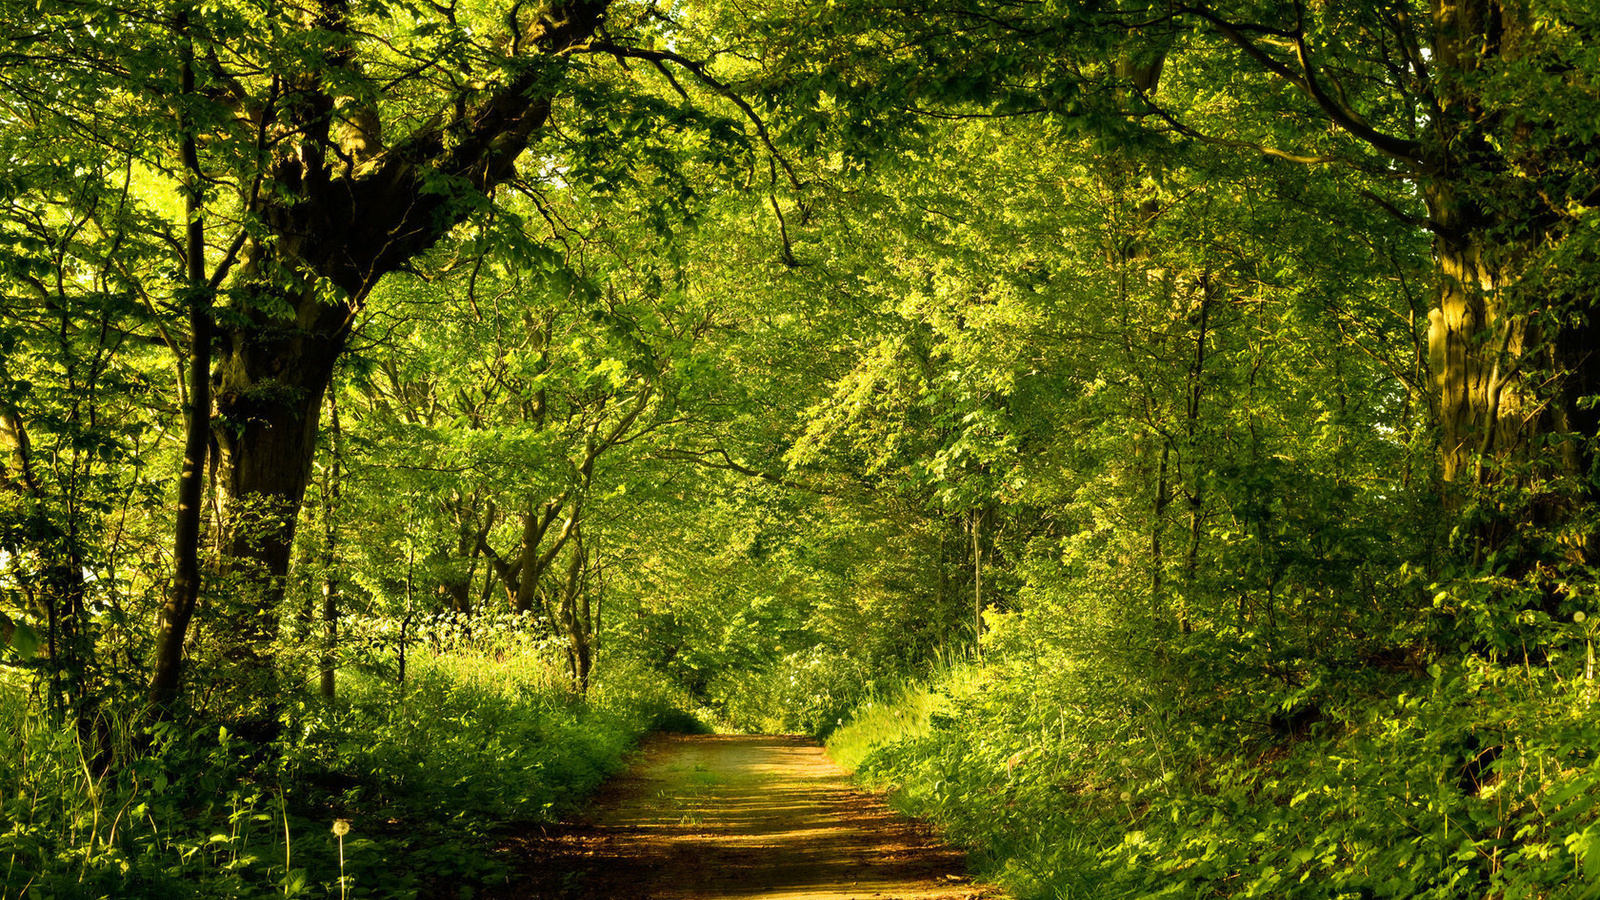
(734,816)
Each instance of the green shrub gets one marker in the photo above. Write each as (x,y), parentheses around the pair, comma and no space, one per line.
(626,684)
(1476,781)
(807,692)
(426,775)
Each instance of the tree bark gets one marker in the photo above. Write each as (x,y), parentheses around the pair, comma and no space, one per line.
(182,595)
(574,619)
(1511,356)
(269,398)
(330,557)
(534,557)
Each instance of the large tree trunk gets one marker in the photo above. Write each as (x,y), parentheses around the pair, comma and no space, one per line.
(1512,352)
(270,383)
(1475,337)
(1477,346)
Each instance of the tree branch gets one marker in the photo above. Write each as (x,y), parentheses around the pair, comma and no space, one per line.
(698,69)
(1306,80)
(704,459)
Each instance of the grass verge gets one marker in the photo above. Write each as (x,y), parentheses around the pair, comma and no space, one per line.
(424,776)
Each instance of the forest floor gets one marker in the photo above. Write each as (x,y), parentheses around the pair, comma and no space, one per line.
(720,817)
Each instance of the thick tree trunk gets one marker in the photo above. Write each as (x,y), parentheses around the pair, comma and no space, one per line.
(269,385)
(1511,354)
(1477,347)
(1511,416)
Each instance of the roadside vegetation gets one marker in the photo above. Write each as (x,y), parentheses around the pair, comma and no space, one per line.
(483,740)
(1398,789)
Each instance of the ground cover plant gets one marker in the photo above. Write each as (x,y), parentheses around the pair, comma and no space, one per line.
(424,779)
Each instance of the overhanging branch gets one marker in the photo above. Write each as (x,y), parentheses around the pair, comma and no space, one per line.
(1307,81)
(709,459)
(698,69)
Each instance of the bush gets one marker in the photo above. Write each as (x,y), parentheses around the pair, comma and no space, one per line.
(807,692)
(1476,781)
(427,776)
(626,684)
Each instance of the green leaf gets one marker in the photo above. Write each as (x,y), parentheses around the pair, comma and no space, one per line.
(25,640)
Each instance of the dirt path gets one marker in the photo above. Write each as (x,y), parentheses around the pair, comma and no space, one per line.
(731,816)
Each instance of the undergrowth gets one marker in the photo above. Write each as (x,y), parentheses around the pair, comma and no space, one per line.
(426,775)
(806,692)
(1476,780)
(902,712)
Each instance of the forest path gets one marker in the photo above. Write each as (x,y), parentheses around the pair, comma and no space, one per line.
(720,817)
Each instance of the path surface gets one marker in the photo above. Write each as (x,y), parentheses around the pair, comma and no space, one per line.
(731,816)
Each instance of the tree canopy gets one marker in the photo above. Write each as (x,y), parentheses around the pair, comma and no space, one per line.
(1194,403)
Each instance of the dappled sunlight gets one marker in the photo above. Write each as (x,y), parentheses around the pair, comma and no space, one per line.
(748,816)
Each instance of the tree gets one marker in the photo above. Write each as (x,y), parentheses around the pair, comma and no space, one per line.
(517,389)
(316,150)
(1469,120)
(80,376)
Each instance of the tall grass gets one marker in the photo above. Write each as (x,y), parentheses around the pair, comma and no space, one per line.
(901,712)
(429,775)
(1480,782)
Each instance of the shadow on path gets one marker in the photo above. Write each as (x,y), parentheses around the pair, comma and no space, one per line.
(737,816)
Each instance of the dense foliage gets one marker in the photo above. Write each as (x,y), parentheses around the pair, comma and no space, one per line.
(1158,439)
(482,739)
